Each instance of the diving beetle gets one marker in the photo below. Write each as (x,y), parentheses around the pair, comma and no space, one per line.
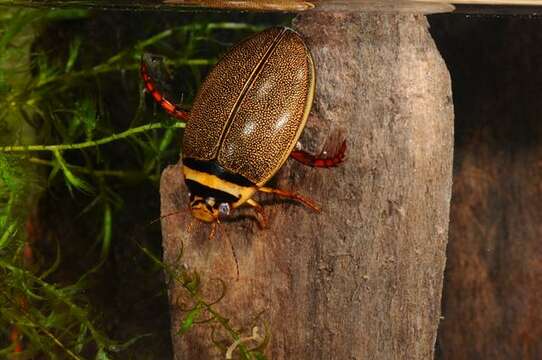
(245,121)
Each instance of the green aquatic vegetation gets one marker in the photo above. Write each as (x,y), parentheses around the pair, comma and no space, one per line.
(58,135)
(89,143)
(200,311)
(37,316)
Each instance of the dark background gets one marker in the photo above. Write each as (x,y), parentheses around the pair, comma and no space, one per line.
(491,301)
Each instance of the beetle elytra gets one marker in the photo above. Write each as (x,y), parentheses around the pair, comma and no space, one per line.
(245,121)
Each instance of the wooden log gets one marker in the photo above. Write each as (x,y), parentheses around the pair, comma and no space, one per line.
(362,279)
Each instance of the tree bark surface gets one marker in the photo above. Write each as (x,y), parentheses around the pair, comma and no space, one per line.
(363,278)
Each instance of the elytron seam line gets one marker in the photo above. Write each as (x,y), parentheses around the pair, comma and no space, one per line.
(253,76)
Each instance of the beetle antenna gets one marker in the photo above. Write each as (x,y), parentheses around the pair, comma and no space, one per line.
(167,215)
(223,234)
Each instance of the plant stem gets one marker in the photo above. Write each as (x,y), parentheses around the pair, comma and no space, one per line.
(91,143)
(84,170)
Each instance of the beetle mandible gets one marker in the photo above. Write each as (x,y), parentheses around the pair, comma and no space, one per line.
(246,119)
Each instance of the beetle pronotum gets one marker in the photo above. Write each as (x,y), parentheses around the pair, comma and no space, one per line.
(245,122)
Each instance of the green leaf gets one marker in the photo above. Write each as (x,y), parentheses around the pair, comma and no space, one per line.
(190,318)
(8,233)
(258,355)
(107,232)
(74,52)
(83,330)
(71,179)
(55,265)
(107,235)
(102,355)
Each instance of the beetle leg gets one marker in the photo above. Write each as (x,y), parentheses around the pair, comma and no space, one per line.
(262,220)
(190,226)
(150,85)
(172,109)
(213,231)
(290,195)
(323,160)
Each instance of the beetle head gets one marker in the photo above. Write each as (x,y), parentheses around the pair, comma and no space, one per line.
(208,209)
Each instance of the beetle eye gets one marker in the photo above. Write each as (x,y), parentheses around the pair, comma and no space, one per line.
(224,208)
(210,201)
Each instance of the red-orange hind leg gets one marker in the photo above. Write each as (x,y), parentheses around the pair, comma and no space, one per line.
(323,160)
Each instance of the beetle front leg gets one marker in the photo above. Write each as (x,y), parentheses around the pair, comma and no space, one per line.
(290,195)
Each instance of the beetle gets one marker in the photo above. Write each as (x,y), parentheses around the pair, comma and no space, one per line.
(245,121)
